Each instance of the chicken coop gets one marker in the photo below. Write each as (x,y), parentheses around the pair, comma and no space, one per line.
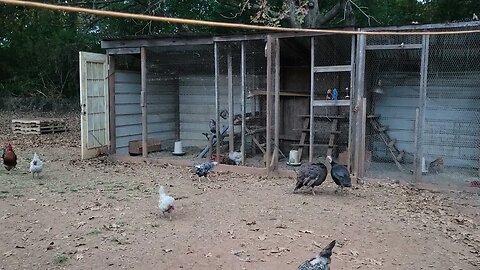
(401,106)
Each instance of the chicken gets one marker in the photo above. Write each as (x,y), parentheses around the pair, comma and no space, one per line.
(321,261)
(235,157)
(436,166)
(165,202)
(340,174)
(203,169)
(311,175)
(9,157)
(36,165)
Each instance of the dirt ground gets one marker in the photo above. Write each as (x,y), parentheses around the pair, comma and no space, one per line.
(100,215)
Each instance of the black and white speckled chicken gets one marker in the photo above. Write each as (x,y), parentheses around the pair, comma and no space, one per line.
(340,174)
(321,261)
(203,169)
(311,175)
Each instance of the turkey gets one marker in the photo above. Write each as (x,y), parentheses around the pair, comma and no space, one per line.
(321,261)
(311,175)
(340,174)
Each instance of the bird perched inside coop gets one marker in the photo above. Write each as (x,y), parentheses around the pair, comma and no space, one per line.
(436,166)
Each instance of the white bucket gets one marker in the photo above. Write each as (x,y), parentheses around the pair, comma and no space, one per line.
(293,157)
(178,147)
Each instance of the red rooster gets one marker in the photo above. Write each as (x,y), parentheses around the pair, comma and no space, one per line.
(9,157)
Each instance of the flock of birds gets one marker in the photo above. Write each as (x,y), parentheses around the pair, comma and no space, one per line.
(309,175)
(10,161)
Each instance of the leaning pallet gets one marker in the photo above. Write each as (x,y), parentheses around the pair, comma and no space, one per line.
(38,125)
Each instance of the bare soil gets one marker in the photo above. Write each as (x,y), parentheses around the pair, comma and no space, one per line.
(101,215)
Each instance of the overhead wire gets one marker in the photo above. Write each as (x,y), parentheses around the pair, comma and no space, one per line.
(224,24)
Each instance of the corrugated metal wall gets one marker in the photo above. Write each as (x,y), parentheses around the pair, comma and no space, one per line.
(161,104)
(197,106)
(449,129)
(128,115)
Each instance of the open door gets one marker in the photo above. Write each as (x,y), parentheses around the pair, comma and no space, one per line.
(94,104)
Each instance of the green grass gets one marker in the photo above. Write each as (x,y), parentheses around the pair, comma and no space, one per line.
(94,232)
(60,258)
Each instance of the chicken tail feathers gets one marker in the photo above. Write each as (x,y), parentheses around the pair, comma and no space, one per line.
(327,251)
(161,190)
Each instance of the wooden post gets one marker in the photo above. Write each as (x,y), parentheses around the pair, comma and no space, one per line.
(217,115)
(269,104)
(312,97)
(361,163)
(231,133)
(350,114)
(111,104)
(359,94)
(421,107)
(177,108)
(243,77)
(415,144)
(143,100)
(277,105)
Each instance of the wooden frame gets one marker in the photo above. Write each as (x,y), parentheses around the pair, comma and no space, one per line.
(359,152)
(268,147)
(231,131)
(421,107)
(111,104)
(217,105)
(277,105)
(243,79)
(312,97)
(143,100)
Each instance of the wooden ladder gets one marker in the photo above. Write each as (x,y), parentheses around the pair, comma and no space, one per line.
(306,132)
(396,154)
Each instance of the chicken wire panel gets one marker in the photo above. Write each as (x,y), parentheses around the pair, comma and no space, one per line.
(400,40)
(180,94)
(451,140)
(392,88)
(331,122)
(332,50)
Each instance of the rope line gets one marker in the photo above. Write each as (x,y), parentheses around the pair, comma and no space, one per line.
(223,24)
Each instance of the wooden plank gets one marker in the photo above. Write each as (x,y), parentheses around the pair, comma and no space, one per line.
(269,103)
(324,69)
(306,124)
(422,107)
(243,91)
(177,109)
(394,47)
(350,113)
(282,94)
(111,103)
(312,97)
(217,105)
(277,104)
(331,103)
(143,100)
(324,116)
(315,144)
(331,140)
(123,51)
(136,43)
(359,94)
(230,100)
(362,141)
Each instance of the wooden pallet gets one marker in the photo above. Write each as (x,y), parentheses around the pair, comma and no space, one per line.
(38,125)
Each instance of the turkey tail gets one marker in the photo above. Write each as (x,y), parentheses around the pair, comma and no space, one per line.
(327,251)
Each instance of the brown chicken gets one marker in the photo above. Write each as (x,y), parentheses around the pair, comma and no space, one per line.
(9,157)
(436,166)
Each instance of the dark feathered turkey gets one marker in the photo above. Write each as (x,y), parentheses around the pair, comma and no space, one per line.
(321,261)
(311,175)
(340,174)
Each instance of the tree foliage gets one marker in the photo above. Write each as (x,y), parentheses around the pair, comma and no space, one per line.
(39,48)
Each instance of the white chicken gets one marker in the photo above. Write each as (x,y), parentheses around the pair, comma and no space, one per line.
(165,202)
(36,165)
(235,157)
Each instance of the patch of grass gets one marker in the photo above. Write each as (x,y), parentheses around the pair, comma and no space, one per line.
(94,232)
(60,258)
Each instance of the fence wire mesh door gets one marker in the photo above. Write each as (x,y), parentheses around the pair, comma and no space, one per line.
(392,87)
(94,103)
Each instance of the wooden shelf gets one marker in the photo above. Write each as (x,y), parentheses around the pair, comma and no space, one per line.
(282,94)
(324,116)
(331,103)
